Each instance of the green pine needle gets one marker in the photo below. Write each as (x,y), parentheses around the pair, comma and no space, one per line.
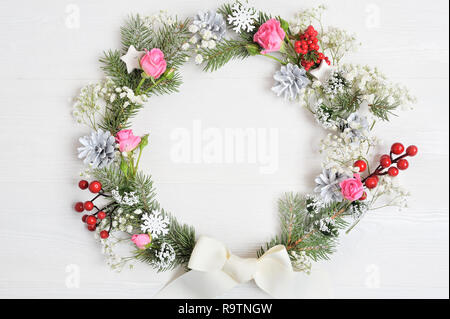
(223,53)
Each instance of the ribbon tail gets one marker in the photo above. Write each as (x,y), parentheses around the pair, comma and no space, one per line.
(276,280)
(197,285)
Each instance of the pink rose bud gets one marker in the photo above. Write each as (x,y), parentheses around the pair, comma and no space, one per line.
(270,36)
(127,141)
(352,189)
(153,63)
(141,240)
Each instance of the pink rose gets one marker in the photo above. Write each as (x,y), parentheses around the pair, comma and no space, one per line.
(141,240)
(352,188)
(153,63)
(270,36)
(127,141)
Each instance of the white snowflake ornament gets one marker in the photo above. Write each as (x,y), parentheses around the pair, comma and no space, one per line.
(155,224)
(242,17)
(132,59)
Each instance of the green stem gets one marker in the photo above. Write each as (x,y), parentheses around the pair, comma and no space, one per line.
(133,171)
(154,84)
(139,158)
(138,89)
(273,58)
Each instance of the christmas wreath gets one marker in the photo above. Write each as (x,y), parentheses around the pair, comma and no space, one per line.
(345,99)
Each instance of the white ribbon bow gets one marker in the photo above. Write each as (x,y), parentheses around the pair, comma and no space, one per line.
(215,270)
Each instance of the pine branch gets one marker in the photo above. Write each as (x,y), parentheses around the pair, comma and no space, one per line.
(166,86)
(117,117)
(110,177)
(182,238)
(135,32)
(382,108)
(116,69)
(223,53)
(169,39)
(346,103)
(300,232)
(342,105)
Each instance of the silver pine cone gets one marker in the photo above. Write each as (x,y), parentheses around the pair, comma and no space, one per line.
(289,81)
(211,21)
(327,185)
(356,126)
(98,149)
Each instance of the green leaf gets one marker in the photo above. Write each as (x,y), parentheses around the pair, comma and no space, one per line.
(124,167)
(144,142)
(284,25)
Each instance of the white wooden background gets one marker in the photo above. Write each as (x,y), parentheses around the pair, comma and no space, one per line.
(45,58)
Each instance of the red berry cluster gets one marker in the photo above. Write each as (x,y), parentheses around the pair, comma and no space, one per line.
(92,220)
(386,164)
(308,48)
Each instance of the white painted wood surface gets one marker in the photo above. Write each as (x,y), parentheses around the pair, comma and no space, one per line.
(44,61)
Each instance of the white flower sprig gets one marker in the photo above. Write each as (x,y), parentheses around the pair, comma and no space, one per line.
(340,152)
(93,99)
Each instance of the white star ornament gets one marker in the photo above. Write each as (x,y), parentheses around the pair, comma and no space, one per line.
(132,59)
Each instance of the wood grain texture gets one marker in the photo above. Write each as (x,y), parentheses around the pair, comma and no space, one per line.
(389,255)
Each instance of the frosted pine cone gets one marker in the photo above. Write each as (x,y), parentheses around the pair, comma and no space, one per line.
(356,126)
(212,22)
(328,186)
(98,149)
(290,81)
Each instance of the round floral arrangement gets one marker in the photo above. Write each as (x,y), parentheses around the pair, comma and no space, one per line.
(345,99)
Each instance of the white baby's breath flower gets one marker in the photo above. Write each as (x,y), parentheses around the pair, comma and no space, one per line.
(193,28)
(199,59)
(193,40)
(204,44)
(211,44)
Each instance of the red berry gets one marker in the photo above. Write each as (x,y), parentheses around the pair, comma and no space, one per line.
(79,207)
(371,182)
(91,220)
(364,196)
(91,227)
(101,215)
(397,148)
(385,161)
(361,164)
(412,150)
(88,205)
(83,219)
(83,184)
(393,171)
(402,164)
(104,234)
(95,187)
